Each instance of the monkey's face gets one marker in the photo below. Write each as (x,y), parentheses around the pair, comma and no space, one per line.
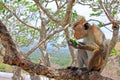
(81,28)
(79,31)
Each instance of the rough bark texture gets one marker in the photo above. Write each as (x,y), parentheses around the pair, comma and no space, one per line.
(74,59)
(12,57)
(17,74)
(33,76)
(43,47)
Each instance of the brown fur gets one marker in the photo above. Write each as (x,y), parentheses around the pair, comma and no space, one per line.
(94,37)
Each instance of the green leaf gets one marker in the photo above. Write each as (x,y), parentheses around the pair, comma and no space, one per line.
(100,24)
(94,10)
(74,16)
(32,7)
(114,52)
(95,14)
(74,41)
(19,0)
(26,3)
(98,0)
(5,0)
(1,8)
(114,12)
(44,0)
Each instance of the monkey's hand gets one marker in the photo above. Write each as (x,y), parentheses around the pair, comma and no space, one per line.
(75,44)
(72,42)
(81,45)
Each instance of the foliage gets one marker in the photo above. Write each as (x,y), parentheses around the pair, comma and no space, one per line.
(114,52)
(96,12)
(61,57)
(5,68)
(25,36)
(63,62)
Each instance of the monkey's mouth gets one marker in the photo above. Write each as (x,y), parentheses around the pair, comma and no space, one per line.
(78,36)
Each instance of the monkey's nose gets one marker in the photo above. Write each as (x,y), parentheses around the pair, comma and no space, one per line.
(76,36)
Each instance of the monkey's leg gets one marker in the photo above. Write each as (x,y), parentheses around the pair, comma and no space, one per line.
(82,58)
(96,62)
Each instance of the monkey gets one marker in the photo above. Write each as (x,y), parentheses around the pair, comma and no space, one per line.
(94,45)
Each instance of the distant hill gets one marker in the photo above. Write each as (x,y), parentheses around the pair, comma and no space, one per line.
(61,57)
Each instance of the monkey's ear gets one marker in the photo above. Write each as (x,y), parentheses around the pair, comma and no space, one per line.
(82,20)
(86,26)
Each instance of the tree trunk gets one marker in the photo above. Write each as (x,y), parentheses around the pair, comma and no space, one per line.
(45,56)
(43,33)
(33,76)
(74,59)
(17,74)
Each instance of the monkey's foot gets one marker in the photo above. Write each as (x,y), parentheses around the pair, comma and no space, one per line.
(78,71)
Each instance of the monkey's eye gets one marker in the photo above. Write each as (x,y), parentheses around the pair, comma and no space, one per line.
(86,26)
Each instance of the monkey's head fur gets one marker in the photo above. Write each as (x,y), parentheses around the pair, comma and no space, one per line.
(80,28)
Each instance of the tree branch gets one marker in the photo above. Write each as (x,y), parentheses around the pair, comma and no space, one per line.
(68,12)
(55,18)
(80,2)
(114,25)
(52,17)
(57,4)
(2,4)
(103,24)
(114,39)
(38,44)
(105,10)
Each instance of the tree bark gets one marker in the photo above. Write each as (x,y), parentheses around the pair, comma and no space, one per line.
(17,73)
(33,76)
(74,59)
(45,56)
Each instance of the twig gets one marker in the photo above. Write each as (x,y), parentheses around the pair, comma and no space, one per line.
(19,18)
(106,12)
(52,17)
(55,18)
(80,2)
(102,23)
(38,44)
(57,4)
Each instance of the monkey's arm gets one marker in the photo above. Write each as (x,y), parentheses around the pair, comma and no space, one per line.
(84,46)
(97,60)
